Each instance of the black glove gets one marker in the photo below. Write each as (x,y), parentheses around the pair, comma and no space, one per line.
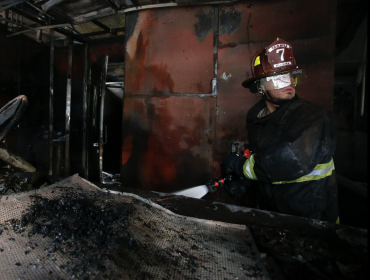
(236,189)
(233,164)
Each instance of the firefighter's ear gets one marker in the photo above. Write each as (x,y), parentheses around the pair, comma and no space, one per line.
(254,87)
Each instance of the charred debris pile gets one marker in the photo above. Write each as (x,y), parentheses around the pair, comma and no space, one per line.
(79,226)
(98,235)
(12,181)
(298,255)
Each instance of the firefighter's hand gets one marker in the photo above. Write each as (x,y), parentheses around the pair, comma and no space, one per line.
(237,189)
(232,164)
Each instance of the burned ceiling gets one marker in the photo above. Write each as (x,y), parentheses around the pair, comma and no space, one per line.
(80,20)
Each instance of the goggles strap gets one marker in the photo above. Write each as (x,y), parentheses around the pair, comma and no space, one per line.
(265,95)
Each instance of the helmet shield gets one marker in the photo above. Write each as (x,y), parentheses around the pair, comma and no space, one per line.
(281,81)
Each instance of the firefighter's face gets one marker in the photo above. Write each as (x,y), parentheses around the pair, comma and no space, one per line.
(286,93)
(281,95)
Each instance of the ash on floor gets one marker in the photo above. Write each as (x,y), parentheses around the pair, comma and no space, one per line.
(12,181)
(75,230)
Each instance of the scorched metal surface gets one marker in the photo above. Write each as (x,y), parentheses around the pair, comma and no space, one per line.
(168,104)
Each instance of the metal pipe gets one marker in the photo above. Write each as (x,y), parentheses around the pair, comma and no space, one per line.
(215,49)
(95,102)
(53,26)
(19,66)
(114,83)
(13,3)
(84,113)
(46,6)
(19,32)
(39,35)
(154,6)
(39,28)
(88,118)
(364,80)
(68,108)
(51,102)
(101,127)
(22,14)
(7,2)
(6,15)
(12,21)
(41,11)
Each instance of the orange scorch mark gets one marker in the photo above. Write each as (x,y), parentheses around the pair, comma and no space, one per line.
(127,148)
(159,167)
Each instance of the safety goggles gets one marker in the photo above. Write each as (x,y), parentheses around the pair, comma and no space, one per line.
(283,80)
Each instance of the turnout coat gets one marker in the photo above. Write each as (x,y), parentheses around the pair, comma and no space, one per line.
(292,150)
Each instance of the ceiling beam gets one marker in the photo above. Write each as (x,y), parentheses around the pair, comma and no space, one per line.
(46,6)
(11,4)
(28,16)
(97,33)
(112,5)
(73,36)
(39,10)
(104,27)
(102,39)
(94,15)
(59,30)
(7,2)
(39,28)
(19,32)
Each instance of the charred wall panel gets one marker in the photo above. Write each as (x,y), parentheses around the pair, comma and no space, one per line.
(170,51)
(171,55)
(169,107)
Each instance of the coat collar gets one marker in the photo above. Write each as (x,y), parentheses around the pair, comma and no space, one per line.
(278,116)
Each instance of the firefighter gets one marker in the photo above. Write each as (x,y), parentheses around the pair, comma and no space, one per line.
(292,142)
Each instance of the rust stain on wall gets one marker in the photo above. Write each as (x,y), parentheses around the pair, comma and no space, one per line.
(161,78)
(127,149)
(169,143)
(166,54)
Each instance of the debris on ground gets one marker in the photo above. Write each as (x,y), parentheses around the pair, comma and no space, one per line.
(307,257)
(74,230)
(12,181)
(111,179)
